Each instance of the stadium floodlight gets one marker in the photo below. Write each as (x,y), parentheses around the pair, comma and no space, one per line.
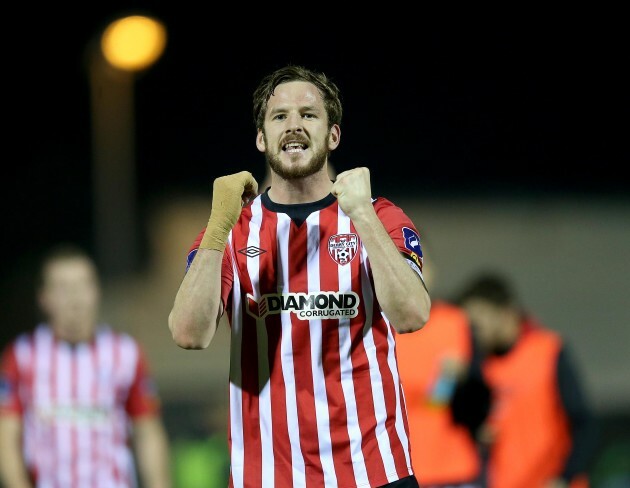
(133,43)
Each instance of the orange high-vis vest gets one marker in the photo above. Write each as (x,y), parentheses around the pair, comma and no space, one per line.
(532,429)
(441,451)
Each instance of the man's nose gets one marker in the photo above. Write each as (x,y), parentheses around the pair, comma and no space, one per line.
(294,123)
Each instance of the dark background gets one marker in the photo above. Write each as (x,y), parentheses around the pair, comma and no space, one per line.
(530,104)
(436,108)
(486,104)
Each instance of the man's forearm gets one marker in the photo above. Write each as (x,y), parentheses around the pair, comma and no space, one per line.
(197,307)
(13,472)
(151,445)
(399,290)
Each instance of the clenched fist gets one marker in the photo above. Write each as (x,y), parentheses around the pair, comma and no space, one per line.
(353,190)
(229,194)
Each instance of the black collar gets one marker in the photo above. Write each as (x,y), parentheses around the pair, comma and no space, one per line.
(298,212)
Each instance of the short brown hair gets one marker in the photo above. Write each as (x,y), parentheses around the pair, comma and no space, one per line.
(61,252)
(493,288)
(327,88)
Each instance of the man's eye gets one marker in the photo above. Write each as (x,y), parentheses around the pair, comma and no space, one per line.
(279,117)
(309,116)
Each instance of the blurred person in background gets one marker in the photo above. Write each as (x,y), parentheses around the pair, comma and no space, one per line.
(78,407)
(446,399)
(541,431)
(317,279)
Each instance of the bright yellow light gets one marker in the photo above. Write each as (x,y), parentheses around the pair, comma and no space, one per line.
(133,43)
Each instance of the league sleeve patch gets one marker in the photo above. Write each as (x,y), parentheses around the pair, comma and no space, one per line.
(412,241)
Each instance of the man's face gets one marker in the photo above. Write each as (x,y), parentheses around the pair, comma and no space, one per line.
(69,298)
(296,139)
(488,321)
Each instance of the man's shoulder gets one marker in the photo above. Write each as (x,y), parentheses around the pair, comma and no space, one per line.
(384,204)
(390,213)
(380,201)
(449,312)
(117,334)
(28,336)
(534,329)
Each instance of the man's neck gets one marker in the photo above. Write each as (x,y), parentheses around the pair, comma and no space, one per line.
(302,190)
(74,337)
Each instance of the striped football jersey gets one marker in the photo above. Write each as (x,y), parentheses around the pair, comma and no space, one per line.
(76,403)
(315,395)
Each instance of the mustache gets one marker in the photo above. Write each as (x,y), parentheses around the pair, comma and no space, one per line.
(294,138)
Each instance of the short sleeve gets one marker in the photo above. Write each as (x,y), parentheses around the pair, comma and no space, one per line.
(143,398)
(9,383)
(192,252)
(227,278)
(402,231)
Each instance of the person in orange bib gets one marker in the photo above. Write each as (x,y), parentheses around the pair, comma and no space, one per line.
(541,431)
(436,369)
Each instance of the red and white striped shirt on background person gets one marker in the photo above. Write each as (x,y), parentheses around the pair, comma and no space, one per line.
(76,402)
(315,395)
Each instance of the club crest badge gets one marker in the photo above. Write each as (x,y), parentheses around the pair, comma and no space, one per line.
(343,247)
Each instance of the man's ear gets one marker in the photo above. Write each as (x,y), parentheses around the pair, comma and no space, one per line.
(260,141)
(334,137)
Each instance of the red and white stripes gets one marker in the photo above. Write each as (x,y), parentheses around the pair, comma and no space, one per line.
(313,402)
(73,400)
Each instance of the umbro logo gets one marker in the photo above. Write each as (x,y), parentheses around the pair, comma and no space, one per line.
(251,251)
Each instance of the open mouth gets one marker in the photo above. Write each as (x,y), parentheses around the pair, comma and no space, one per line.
(294,147)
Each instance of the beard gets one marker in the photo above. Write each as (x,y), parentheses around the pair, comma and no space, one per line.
(317,162)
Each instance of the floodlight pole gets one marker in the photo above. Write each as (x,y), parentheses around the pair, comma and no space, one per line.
(113,156)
